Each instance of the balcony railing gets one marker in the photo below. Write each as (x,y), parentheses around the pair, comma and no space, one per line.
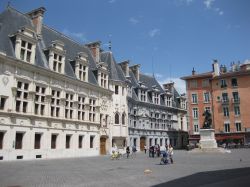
(236,100)
(225,101)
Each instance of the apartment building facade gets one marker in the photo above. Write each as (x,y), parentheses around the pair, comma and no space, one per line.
(224,93)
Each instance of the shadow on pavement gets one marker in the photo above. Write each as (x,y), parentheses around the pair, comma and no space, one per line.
(232,177)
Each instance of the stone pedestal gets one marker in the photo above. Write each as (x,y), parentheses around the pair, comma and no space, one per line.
(207,140)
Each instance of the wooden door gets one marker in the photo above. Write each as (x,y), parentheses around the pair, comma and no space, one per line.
(103,146)
(142,143)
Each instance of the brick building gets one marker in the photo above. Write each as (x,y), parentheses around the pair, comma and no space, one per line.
(225,94)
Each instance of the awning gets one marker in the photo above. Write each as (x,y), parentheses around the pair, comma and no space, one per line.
(224,137)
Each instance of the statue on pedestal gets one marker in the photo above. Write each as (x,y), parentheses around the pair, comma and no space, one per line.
(207,124)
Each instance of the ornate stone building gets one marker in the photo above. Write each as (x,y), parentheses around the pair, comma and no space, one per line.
(156,116)
(59,98)
(54,94)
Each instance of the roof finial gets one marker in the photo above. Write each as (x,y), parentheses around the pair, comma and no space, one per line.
(8,4)
(153,66)
(110,45)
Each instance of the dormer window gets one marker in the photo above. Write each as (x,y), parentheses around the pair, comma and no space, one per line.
(104,80)
(57,63)
(102,74)
(26,51)
(80,66)
(56,56)
(25,45)
(156,98)
(143,95)
(82,72)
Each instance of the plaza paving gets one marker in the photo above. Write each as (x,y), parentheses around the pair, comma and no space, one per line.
(189,169)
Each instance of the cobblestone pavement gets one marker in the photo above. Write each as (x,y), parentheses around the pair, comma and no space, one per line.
(101,171)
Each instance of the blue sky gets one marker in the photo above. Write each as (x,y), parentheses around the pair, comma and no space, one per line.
(167,37)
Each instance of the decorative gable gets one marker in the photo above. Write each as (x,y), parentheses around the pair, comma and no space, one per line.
(25,44)
(56,56)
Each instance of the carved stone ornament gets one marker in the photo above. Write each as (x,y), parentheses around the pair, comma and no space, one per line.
(5,80)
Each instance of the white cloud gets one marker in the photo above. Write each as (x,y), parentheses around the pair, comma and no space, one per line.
(179,84)
(76,35)
(208,3)
(189,1)
(133,20)
(112,1)
(183,2)
(154,32)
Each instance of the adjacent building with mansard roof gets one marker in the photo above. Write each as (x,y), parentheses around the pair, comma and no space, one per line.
(156,116)
(59,98)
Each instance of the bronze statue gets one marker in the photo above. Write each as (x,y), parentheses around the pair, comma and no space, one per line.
(207,121)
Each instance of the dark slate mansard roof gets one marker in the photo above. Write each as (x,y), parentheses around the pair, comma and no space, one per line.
(11,21)
(115,71)
(150,82)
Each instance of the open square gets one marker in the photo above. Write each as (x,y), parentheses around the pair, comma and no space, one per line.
(189,169)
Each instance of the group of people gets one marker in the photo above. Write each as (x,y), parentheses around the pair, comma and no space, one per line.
(157,151)
(116,154)
(154,151)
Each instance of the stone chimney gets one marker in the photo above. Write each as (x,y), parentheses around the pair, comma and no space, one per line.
(95,49)
(37,19)
(125,67)
(216,69)
(136,70)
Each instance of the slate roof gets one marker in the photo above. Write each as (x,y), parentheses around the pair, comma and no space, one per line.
(150,83)
(115,71)
(12,20)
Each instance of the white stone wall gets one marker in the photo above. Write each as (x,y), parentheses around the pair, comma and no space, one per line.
(119,132)
(28,123)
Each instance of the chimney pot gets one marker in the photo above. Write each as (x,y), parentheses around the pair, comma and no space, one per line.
(37,19)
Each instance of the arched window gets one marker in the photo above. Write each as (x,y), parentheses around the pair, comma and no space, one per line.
(116,118)
(123,118)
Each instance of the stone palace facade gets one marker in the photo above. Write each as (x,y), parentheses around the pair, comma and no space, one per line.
(59,98)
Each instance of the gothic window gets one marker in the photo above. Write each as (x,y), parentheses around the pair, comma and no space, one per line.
(2,102)
(116,89)
(117,118)
(123,118)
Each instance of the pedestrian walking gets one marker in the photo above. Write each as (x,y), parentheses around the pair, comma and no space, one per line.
(145,149)
(127,151)
(153,151)
(171,153)
(134,151)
